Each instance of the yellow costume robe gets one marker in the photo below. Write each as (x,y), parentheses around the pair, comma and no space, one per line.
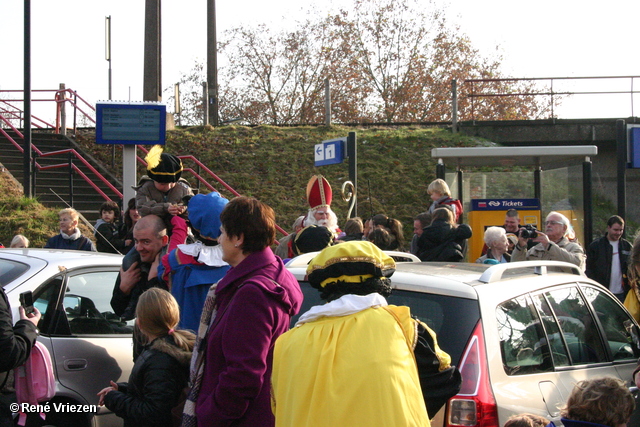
(349,370)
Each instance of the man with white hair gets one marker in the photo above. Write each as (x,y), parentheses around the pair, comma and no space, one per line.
(319,196)
(553,244)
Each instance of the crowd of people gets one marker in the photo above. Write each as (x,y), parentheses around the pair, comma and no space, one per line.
(204,278)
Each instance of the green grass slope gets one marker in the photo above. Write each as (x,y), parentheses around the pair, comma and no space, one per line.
(274,165)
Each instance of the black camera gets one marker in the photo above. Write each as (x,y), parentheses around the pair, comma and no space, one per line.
(528,232)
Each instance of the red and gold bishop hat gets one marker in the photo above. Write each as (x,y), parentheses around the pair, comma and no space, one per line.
(319,192)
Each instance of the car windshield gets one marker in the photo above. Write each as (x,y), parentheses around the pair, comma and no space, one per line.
(10,271)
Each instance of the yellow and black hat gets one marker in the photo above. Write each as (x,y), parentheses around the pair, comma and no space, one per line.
(163,167)
(351,262)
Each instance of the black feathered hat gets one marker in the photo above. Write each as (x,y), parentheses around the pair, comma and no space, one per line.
(163,167)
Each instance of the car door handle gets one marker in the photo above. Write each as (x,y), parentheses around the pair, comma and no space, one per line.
(75,364)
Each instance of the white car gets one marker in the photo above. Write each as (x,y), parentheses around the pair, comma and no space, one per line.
(522,334)
(89,344)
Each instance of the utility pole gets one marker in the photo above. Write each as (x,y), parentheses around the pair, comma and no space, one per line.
(27,165)
(152,86)
(212,64)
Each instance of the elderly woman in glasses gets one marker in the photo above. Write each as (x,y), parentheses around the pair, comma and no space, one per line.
(552,244)
(496,240)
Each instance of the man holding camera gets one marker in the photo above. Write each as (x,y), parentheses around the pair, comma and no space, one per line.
(553,244)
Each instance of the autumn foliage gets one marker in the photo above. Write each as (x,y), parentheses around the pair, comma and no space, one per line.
(387,61)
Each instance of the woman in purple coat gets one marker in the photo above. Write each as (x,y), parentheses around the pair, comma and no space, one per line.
(244,314)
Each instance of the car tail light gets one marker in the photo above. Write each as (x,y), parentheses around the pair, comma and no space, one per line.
(474,405)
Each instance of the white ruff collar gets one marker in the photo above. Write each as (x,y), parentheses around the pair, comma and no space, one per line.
(209,255)
(343,306)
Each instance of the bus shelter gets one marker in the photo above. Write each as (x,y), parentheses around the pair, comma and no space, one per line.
(534,180)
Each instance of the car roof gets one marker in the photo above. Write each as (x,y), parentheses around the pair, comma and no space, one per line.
(50,261)
(468,280)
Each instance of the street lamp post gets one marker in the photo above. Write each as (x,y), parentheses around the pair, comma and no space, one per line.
(107,47)
(107,56)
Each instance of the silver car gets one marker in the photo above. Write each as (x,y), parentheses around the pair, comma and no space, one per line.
(522,334)
(88,343)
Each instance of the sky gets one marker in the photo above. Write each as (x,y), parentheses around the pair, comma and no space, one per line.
(547,38)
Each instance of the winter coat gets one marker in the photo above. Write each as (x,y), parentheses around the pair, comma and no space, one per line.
(489,255)
(125,305)
(254,302)
(564,250)
(599,257)
(79,243)
(150,200)
(156,382)
(16,342)
(108,238)
(454,204)
(442,241)
(190,283)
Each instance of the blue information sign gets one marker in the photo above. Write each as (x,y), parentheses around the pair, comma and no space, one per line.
(504,204)
(329,152)
(131,123)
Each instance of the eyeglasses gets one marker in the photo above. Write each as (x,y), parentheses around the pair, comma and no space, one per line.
(553,222)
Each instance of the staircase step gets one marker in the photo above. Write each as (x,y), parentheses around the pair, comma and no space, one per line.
(85,198)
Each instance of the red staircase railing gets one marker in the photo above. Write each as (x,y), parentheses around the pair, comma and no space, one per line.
(9,113)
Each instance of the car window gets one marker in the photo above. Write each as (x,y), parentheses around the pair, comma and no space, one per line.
(556,346)
(451,318)
(87,304)
(45,299)
(579,328)
(11,270)
(621,334)
(523,343)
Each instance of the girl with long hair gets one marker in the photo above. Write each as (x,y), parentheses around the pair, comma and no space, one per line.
(161,372)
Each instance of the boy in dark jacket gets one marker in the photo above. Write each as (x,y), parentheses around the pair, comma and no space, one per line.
(107,230)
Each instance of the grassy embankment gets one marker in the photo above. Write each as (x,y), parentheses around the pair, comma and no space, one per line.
(274,165)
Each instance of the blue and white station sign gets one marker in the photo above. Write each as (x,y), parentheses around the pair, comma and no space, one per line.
(504,204)
(329,152)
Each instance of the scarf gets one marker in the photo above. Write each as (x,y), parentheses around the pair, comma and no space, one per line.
(196,371)
(75,236)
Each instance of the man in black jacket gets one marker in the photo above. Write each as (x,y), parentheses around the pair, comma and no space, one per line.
(16,343)
(151,239)
(607,258)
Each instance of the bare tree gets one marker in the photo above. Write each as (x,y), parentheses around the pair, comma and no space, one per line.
(387,60)
(190,95)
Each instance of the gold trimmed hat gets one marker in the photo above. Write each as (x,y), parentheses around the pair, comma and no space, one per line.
(351,262)
(163,167)
(319,192)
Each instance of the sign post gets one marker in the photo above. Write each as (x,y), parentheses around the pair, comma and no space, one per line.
(334,151)
(130,124)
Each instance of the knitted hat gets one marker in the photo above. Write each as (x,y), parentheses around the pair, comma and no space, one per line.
(312,238)
(319,192)
(351,262)
(163,167)
(204,214)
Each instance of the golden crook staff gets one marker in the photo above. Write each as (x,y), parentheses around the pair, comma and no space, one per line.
(349,195)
